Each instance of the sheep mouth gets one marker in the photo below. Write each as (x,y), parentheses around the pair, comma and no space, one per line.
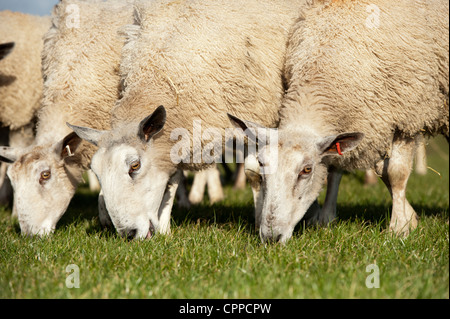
(151,231)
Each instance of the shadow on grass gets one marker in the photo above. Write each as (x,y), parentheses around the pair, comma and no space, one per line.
(84,208)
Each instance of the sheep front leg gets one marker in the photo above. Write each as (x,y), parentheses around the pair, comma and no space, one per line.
(5,186)
(94,185)
(215,190)
(182,195)
(421,155)
(240,177)
(328,213)
(165,209)
(395,172)
(103,215)
(198,187)
(324,216)
(251,168)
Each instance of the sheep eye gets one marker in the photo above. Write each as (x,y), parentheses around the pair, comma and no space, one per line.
(306,170)
(136,165)
(45,175)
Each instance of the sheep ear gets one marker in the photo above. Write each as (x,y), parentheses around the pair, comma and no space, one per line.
(5,49)
(339,144)
(68,145)
(152,124)
(9,154)
(88,134)
(250,129)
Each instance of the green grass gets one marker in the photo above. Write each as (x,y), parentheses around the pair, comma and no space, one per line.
(214,251)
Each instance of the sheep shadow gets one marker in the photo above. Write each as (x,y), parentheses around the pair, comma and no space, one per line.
(83,208)
(374,215)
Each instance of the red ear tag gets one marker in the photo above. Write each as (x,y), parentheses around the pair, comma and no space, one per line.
(338,147)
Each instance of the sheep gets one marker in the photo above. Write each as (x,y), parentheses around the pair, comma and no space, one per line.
(361,89)
(20,74)
(20,82)
(81,82)
(184,64)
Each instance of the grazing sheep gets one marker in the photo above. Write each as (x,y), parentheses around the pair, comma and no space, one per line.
(81,82)
(359,85)
(199,60)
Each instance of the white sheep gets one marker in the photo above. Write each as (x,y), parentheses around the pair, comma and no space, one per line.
(20,82)
(365,79)
(20,74)
(81,82)
(199,60)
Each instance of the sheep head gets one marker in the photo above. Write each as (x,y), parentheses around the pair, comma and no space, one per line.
(44,179)
(299,174)
(133,184)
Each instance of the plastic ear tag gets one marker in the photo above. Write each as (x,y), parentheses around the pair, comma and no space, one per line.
(68,151)
(338,147)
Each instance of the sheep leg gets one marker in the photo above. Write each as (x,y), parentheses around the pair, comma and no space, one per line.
(165,209)
(395,172)
(15,214)
(94,185)
(215,190)
(327,214)
(421,155)
(240,177)
(251,168)
(198,187)
(103,215)
(182,195)
(5,186)
(370,178)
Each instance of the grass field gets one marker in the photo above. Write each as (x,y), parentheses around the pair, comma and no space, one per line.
(214,252)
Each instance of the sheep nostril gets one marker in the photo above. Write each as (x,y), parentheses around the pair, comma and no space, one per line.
(131,234)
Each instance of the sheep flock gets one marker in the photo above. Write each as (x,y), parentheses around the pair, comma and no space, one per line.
(142,91)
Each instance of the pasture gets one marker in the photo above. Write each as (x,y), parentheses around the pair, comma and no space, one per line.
(214,251)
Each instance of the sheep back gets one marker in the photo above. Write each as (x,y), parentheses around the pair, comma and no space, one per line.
(20,73)
(348,70)
(81,67)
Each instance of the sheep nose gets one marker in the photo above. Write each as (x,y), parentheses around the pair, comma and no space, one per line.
(131,234)
(275,239)
(271,237)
